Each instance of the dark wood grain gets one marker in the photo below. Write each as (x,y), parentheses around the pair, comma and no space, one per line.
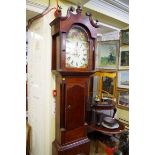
(61,26)
(108,131)
(104,106)
(79,147)
(71,84)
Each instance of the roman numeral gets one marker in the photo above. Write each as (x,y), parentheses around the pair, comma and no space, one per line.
(84,59)
(68,58)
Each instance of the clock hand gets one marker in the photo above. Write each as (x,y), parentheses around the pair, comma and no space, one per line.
(81,46)
(76,48)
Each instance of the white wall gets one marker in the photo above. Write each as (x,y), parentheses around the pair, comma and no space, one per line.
(40,86)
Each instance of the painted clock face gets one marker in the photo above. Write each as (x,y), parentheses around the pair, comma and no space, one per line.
(77,48)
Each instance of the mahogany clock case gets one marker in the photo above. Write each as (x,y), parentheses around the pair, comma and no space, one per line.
(59,31)
(72,82)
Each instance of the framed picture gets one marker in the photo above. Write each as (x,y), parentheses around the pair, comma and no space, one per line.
(124,37)
(108,86)
(103,84)
(107,54)
(123,79)
(124,59)
(123,99)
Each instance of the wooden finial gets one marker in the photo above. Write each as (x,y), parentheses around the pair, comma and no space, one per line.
(79,9)
(91,19)
(71,9)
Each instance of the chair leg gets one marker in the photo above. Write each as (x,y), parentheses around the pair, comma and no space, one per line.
(96,146)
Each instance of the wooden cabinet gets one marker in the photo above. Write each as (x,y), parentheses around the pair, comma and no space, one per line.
(71,107)
(75,97)
(71,123)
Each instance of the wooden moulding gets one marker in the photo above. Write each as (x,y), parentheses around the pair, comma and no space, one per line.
(70,18)
(81,146)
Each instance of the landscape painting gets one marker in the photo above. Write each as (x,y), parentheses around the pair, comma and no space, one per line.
(123,79)
(125,37)
(107,54)
(124,60)
(123,99)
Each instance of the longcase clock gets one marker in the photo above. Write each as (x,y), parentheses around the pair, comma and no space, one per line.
(73,54)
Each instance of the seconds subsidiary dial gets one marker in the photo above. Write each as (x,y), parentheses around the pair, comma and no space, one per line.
(77,48)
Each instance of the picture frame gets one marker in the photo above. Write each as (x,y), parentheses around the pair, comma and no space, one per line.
(123,79)
(103,84)
(123,99)
(124,37)
(124,59)
(107,54)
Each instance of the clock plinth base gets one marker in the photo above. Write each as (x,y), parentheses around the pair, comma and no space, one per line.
(75,148)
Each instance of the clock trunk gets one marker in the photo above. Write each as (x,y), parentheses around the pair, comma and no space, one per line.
(71,103)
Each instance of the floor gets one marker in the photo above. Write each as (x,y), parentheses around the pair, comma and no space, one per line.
(100,149)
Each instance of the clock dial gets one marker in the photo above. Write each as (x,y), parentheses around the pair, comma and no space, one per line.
(77,48)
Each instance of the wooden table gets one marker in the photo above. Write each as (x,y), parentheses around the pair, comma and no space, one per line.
(106,131)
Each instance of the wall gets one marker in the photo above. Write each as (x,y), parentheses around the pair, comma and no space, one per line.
(40,84)
(123,115)
(107,20)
